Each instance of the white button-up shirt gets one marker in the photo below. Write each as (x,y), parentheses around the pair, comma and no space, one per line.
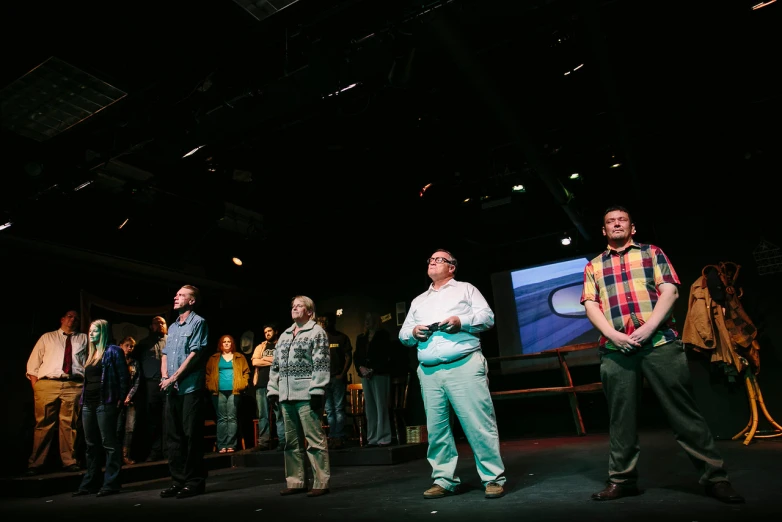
(46,359)
(453,298)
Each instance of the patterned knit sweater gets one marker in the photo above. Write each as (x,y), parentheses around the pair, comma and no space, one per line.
(301,364)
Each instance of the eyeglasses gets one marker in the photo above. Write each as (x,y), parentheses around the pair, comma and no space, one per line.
(438,260)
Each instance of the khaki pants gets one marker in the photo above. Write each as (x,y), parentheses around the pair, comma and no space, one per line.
(301,421)
(55,400)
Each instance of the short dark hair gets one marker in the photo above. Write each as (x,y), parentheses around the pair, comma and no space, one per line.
(454,262)
(618,208)
(273,326)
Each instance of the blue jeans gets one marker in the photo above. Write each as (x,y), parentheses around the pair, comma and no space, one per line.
(264,431)
(226,404)
(335,407)
(100,429)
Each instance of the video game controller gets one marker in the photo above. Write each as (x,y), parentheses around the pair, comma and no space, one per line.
(434,327)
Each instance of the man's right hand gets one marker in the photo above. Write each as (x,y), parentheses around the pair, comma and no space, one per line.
(421,332)
(624,343)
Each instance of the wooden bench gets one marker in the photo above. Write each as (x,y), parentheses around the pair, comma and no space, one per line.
(559,357)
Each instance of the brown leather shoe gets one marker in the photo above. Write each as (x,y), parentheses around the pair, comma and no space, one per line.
(724,492)
(437,491)
(317,492)
(494,490)
(614,491)
(292,491)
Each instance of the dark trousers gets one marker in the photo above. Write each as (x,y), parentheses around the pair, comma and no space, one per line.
(666,371)
(155,401)
(185,438)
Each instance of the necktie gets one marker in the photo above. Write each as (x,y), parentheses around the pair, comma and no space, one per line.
(68,357)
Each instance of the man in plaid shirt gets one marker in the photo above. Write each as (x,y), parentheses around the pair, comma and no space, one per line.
(629,293)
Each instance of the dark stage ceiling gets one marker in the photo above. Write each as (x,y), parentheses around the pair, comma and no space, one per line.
(320,122)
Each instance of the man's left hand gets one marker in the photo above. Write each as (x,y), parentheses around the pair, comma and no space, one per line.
(451,325)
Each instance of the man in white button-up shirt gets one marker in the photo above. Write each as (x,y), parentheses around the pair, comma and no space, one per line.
(445,323)
(56,388)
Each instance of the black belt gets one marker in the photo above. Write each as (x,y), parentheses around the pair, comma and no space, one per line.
(74,378)
(447,362)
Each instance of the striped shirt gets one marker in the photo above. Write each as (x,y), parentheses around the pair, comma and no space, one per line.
(625,285)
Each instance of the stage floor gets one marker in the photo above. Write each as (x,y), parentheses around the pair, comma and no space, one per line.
(548,480)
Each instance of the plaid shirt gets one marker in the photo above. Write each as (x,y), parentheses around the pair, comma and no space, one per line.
(625,285)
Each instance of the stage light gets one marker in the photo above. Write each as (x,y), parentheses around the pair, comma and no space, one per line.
(762,4)
(194,151)
(85,184)
(7,225)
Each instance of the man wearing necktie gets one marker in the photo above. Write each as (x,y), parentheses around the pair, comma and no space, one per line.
(56,370)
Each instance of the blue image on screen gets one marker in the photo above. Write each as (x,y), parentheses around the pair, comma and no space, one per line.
(548,307)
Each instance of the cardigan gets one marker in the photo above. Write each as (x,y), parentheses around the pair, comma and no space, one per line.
(241,373)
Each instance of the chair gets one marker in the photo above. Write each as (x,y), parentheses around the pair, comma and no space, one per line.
(398,405)
(355,410)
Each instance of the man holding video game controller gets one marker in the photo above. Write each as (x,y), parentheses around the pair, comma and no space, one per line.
(445,323)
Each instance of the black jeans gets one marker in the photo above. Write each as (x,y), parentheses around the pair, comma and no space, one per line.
(185,438)
(155,401)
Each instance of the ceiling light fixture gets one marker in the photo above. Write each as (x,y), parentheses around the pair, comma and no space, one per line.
(237,261)
(519,188)
(123,224)
(575,175)
(466,200)
(86,183)
(616,165)
(7,225)
(566,241)
(421,194)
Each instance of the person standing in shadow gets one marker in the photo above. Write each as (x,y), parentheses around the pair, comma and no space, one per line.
(341,356)
(126,423)
(373,363)
(150,353)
